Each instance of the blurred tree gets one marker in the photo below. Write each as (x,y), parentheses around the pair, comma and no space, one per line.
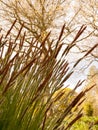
(38,16)
(92,96)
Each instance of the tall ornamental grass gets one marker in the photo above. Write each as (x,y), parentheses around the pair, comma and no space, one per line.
(30,74)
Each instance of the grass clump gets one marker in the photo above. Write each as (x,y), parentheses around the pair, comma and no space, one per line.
(29,77)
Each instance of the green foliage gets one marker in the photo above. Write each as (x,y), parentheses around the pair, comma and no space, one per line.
(88,109)
(28,82)
(86,123)
(92,96)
